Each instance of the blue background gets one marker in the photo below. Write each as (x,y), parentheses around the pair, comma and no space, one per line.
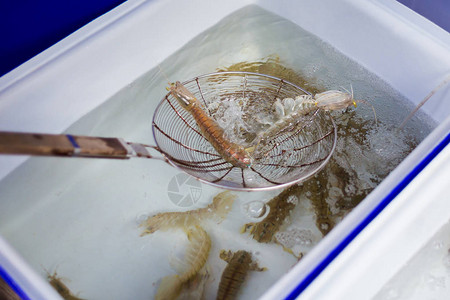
(28,27)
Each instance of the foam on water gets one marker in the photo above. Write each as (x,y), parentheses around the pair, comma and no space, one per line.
(78,216)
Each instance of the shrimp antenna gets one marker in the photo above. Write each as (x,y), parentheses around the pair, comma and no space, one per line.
(373,108)
(443,83)
(164,74)
(347,91)
(363,101)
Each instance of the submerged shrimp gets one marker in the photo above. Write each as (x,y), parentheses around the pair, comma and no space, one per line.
(60,287)
(280,208)
(216,211)
(194,260)
(195,287)
(211,131)
(292,112)
(239,263)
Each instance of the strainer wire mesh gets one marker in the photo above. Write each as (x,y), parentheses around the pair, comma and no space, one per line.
(291,156)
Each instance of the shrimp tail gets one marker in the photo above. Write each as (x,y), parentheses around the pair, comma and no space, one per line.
(194,260)
(169,288)
(198,252)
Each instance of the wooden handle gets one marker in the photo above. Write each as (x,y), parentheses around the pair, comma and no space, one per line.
(61,145)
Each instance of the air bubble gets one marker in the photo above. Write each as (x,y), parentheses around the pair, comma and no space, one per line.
(141,217)
(255,209)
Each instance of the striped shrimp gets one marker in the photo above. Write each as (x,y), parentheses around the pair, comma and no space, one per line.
(195,287)
(291,112)
(239,263)
(62,289)
(231,152)
(217,211)
(194,260)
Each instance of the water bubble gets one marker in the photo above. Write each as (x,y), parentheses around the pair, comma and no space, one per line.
(140,218)
(255,209)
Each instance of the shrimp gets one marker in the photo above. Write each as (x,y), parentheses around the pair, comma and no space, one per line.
(231,152)
(217,211)
(292,112)
(239,263)
(335,100)
(195,287)
(194,260)
(60,287)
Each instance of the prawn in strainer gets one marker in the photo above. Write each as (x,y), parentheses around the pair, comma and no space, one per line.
(294,116)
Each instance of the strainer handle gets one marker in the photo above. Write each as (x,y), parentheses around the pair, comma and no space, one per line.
(63,145)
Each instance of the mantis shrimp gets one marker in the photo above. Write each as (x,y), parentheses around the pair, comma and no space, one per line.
(291,115)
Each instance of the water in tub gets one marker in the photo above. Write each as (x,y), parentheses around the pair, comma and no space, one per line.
(80,217)
(426,275)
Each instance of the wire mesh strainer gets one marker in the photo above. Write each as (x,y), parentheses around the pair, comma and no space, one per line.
(293,155)
(240,105)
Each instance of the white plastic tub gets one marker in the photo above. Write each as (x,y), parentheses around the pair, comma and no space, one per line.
(63,84)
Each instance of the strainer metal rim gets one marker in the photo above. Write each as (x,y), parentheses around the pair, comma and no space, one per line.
(246,189)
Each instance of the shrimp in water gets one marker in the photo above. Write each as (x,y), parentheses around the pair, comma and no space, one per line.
(217,211)
(194,260)
(239,264)
(62,289)
(335,100)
